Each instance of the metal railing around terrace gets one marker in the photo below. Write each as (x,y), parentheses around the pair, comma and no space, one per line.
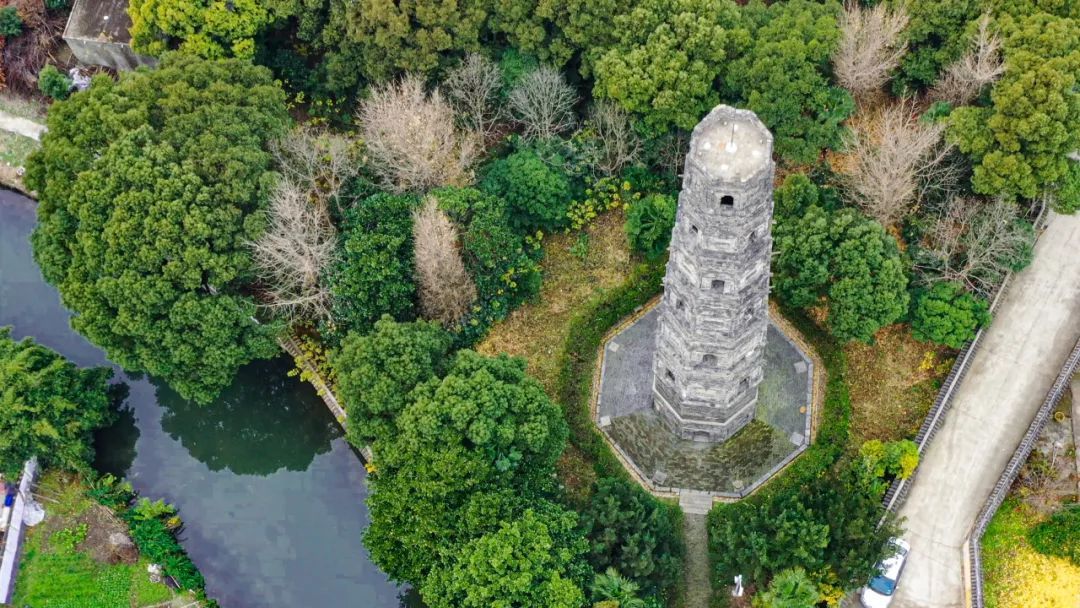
(1008,476)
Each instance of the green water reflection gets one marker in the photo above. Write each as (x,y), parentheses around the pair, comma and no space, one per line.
(272,496)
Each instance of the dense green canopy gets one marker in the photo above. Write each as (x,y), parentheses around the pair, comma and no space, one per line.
(151,190)
(48,407)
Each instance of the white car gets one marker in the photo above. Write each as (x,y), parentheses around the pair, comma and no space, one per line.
(879,591)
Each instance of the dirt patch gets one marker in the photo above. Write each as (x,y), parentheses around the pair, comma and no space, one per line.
(102,524)
(893,381)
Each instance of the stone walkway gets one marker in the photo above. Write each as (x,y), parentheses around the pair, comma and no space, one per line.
(21,126)
(698,591)
(1034,330)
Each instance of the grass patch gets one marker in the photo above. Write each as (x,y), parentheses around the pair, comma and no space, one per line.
(56,571)
(576,278)
(15,148)
(894,382)
(1017,576)
(23,108)
(538,330)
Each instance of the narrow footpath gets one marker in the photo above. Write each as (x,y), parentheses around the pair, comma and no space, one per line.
(21,126)
(1035,327)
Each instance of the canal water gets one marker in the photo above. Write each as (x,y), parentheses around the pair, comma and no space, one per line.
(271,494)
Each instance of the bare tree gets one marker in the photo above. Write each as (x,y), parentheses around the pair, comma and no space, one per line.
(293,254)
(975,243)
(474,89)
(446,289)
(619,143)
(411,138)
(981,65)
(543,103)
(870,47)
(892,156)
(318,162)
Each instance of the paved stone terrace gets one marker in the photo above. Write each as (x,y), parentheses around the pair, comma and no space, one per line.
(624,411)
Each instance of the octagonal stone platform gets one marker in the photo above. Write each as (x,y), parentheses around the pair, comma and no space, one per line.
(668,465)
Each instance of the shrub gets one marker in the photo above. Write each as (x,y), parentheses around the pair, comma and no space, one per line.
(635,534)
(847,258)
(373,275)
(649,223)
(946,314)
(10,22)
(605,195)
(790,588)
(537,194)
(1060,535)
(54,83)
(503,263)
(1067,194)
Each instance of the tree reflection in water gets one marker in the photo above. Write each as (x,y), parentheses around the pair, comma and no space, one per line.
(265,421)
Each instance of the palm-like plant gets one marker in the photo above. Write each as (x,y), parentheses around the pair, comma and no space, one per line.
(612,586)
(790,588)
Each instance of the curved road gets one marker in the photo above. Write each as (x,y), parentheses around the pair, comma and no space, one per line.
(1034,330)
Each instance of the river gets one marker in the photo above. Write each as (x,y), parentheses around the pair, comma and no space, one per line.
(271,494)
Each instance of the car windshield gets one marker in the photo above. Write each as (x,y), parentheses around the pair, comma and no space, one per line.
(883,585)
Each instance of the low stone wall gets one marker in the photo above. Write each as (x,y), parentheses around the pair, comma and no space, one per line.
(1001,489)
(9,564)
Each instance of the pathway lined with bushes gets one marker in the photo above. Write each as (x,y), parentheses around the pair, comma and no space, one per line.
(1033,332)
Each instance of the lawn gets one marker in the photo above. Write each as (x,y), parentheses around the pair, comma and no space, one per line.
(893,384)
(57,570)
(15,148)
(23,108)
(538,330)
(1017,576)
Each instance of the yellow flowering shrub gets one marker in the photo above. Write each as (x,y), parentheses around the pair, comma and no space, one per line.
(605,195)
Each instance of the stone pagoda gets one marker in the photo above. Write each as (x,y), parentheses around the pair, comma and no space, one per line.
(713,318)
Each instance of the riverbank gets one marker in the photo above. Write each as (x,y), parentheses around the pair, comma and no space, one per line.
(82,554)
(272,494)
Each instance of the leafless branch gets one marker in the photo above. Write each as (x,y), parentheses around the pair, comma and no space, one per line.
(293,254)
(412,140)
(981,65)
(891,157)
(446,289)
(974,243)
(543,103)
(871,46)
(318,162)
(619,143)
(474,87)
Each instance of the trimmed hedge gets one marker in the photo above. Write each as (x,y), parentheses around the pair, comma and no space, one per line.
(577,361)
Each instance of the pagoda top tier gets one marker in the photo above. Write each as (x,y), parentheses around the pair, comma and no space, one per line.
(731,145)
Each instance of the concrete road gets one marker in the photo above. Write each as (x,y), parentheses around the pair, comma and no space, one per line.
(1035,327)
